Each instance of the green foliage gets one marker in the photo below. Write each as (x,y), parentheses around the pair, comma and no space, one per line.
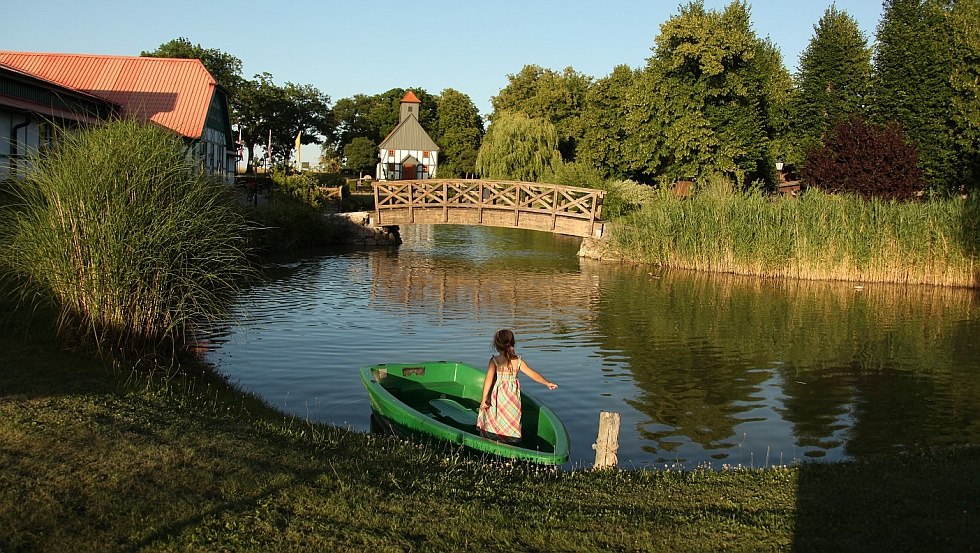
(377,115)
(965,81)
(265,109)
(459,132)
(710,90)
(517,147)
(605,123)
(867,160)
(913,66)
(833,81)
(559,98)
(361,154)
(817,236)
(118,230)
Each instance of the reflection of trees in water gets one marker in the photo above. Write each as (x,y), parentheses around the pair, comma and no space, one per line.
(877,366)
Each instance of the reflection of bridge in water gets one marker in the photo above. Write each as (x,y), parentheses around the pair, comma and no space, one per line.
(441,290)
(527,205)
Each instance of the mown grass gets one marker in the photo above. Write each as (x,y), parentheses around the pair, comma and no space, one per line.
(98,459)
(817,236)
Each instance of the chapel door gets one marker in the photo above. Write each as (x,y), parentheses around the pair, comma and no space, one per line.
(409,173)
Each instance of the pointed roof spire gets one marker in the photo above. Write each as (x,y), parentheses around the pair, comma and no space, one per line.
(410,97)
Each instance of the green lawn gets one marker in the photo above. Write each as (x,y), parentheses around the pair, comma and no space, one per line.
(101,459)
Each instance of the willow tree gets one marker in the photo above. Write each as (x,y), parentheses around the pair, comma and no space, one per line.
(557,97)
(518,147)
(834,78)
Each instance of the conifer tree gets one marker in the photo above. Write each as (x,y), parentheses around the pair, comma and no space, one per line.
(834,78)
(912,83)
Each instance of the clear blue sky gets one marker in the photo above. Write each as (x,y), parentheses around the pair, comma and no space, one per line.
(357,46)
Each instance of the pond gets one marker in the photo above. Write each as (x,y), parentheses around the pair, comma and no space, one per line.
(704,369)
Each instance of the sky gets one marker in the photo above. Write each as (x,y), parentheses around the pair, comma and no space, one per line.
(360,47)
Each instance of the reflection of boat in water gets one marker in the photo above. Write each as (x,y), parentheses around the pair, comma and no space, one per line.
(440,400)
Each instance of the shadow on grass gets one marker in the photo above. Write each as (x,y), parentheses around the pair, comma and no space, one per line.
(923,502)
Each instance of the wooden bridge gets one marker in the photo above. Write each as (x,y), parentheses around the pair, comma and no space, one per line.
(527,205)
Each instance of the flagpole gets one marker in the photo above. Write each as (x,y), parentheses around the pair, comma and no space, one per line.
(268,154)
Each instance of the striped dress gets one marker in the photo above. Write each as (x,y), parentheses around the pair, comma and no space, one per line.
(502,421)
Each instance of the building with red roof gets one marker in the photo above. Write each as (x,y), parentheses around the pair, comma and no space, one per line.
(178,94)
(408,152)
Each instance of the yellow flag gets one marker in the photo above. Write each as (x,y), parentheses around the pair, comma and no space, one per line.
(298,135)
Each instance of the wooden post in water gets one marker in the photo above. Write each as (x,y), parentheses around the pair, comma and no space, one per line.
(606,445)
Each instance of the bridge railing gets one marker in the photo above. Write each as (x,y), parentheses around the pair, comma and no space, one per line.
(536,206)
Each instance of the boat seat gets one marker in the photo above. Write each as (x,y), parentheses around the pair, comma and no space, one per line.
(452,410)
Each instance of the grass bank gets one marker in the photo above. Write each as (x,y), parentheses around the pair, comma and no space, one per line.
(817,236)
(101,459)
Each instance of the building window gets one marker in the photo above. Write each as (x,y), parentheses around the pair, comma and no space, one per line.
(391,153)
(425,154)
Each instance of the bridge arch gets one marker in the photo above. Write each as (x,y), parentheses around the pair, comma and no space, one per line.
(528,205)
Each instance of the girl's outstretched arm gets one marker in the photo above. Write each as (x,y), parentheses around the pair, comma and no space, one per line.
(526,369)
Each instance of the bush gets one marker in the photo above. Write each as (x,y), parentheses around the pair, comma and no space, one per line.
(865,159)
(133,246)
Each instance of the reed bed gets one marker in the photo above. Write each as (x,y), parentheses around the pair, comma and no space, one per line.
(816,236)
(120,231)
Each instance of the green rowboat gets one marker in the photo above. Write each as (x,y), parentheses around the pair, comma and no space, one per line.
(440,400)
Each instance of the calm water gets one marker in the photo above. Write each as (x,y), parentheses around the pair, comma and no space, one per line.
(704,369)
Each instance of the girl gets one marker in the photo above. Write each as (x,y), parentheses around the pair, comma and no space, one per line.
(500,408)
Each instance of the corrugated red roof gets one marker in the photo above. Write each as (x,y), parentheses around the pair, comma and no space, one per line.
(411,97)
(174,93)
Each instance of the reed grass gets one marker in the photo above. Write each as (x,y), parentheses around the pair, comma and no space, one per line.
(120,231)
(817,236)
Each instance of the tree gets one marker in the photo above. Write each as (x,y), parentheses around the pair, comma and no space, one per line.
(458,131)
(605,125)
(912,82)
(834,78)
(865,159)
(517,147)
(224,67)
(706,100)
(546,94)
(965,81)
(361,155)
(269,112)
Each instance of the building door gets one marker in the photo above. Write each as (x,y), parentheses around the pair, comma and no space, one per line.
(409,173)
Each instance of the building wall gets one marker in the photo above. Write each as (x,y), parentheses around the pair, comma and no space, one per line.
(395,158)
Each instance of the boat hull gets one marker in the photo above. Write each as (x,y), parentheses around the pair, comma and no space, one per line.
(440,400)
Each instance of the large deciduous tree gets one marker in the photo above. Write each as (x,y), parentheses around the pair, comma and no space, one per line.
(834,78)
(708,98)
(272,113)
(517,147)
(605,123)
(546,94)
(458,131)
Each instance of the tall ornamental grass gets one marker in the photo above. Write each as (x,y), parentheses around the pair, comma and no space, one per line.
(817,236)
(118,229)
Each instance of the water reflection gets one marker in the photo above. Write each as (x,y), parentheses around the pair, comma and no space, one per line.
(703,368)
